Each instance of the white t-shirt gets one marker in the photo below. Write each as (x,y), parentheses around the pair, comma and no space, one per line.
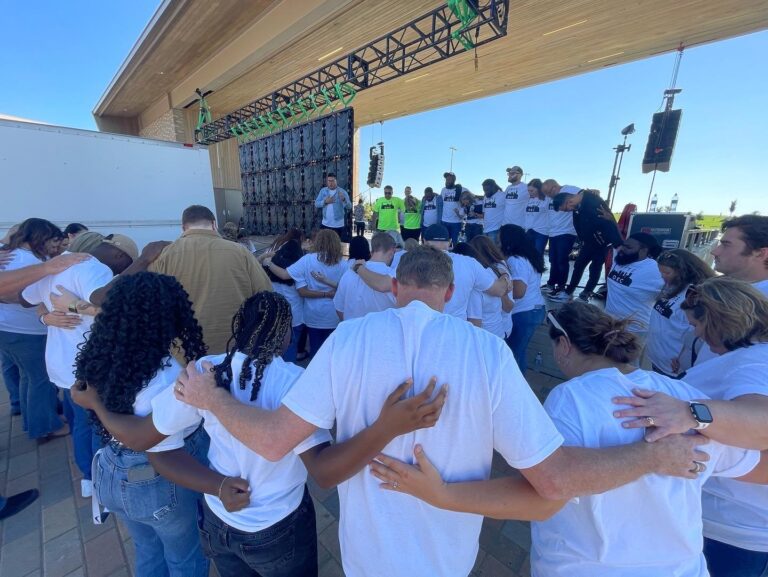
(385,533)
(650,527)
(468,275)
(318,313)
(16,318)
(494,319)
(356,299)
(735,513)
(667,331)
(450,203)
(494,208)
(276,487)
(162,383)
(632,292)
(560,222)
(516,199)
(292,296)
(62,344)
(522,270)
(429,216)
(537,215)
(396,261)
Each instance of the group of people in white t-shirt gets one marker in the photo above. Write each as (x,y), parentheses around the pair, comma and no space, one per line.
(409,383)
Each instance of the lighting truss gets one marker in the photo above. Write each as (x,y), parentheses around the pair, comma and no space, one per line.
(431,38)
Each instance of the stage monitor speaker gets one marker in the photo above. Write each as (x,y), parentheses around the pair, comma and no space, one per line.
(661,141)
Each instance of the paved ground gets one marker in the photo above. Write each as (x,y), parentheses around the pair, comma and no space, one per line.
(56,538)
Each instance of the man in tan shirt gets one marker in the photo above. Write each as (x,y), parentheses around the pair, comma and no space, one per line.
(217,274)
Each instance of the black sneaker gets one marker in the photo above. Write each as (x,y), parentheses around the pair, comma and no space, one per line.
(18,502)
(586,296)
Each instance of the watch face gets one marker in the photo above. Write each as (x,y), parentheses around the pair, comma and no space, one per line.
(701,412)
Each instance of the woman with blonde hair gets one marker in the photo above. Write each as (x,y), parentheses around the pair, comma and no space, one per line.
(316,275)
(731,316)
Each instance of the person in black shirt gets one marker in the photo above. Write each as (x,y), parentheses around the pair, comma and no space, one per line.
(597,235)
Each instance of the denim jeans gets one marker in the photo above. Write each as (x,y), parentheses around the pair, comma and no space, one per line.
(85,441)
(729,561)
(559,250)
(523,326)
(160,516)
(286,549)
(11,378)
(289,356)
(454,228)
(37,394)
(591,255)
(539,240)
(316,339)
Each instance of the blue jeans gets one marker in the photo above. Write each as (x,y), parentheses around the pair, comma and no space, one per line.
(289,356)
(539,240)
(559,250)
(523,326)
(85,441)
(286,549)
(316,339)
(160,516)
(454,228)
(11,378)
(729,561)
(37,394)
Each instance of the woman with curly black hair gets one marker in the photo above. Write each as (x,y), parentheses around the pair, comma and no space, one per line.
(262,525)
(128,361)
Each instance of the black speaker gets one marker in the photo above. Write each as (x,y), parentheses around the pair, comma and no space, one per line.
(661,141)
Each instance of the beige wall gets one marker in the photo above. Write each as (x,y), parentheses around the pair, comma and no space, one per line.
(168,126)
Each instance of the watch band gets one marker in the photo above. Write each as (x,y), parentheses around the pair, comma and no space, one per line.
(72,307)
(699,424)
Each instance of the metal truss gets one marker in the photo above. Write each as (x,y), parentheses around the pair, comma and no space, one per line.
(434,37)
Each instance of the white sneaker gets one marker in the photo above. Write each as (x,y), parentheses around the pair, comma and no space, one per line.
(86,488)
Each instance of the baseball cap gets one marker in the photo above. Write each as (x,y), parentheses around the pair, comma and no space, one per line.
(437,232)
(86,242)
(124,243)
(447,174)
(515,169)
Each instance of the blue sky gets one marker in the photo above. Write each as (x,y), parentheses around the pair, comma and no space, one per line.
(57,58)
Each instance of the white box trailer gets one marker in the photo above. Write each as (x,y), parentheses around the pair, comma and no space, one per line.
(108,182)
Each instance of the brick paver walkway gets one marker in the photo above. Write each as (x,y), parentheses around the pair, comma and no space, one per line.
(56,538)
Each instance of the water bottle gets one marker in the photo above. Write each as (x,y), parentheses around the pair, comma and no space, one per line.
(537,363)
(654,203)
(673,204)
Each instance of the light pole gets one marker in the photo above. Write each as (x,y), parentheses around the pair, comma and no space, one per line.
(620,150)
(452,149)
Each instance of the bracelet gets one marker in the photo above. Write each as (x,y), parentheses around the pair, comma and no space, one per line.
(221,486)
(72,307)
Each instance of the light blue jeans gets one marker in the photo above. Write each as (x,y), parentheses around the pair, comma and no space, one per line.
(85,441)
(160,516)
(523,326)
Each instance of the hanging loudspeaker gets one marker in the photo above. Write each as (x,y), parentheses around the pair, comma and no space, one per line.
(661,141)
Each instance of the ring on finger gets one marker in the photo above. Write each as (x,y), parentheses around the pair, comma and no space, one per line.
(697,467)
(395,485)
(650,422)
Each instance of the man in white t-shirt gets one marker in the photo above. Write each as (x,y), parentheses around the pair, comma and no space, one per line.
(334,202)
(491,407)
(354,298)
(431,209)
(494,208)
(516,197)
(562,236)
(634,282)
(113,255)
(451,195)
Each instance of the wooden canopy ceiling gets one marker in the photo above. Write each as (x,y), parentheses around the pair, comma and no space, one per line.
(547,40)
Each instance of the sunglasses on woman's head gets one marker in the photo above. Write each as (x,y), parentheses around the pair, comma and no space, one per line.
(692,296)
(553,321)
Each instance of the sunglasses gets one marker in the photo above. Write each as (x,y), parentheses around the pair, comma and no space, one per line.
(553,321)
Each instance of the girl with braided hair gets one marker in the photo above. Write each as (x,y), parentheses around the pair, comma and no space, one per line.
(262,524)
(127,362)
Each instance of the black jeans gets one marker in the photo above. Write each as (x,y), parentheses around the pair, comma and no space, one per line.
(591,255)
(286,549)
(559,250)
(359,228)
(407,233)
